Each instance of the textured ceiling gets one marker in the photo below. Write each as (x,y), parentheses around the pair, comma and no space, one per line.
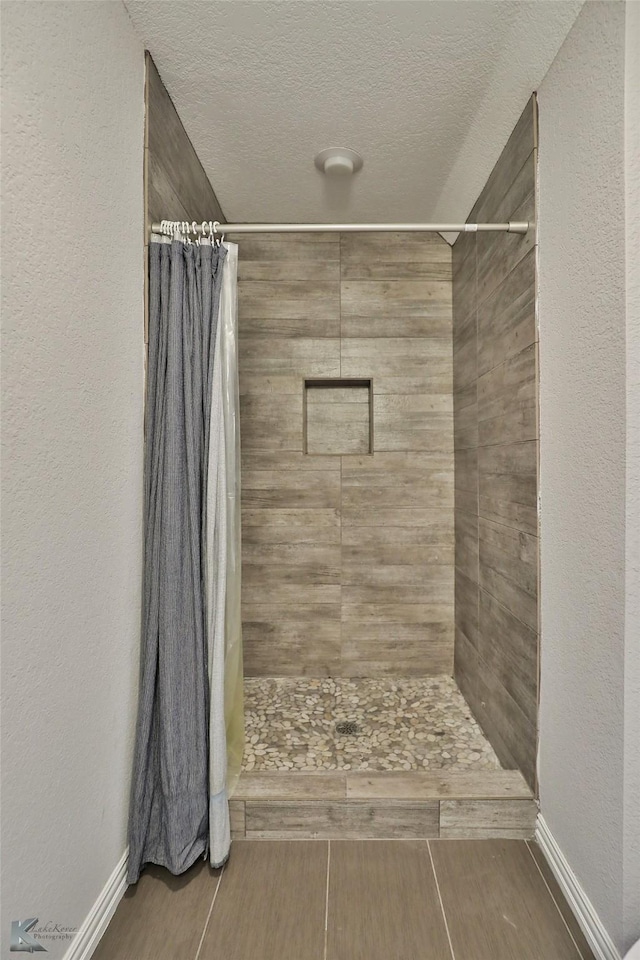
(426,91)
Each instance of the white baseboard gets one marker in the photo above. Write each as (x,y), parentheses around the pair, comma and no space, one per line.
(95,923)
(599,940)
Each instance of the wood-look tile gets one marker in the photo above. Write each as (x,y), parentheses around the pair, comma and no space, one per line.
(433,490)
(378,649)
(302,613)
(478,819)
(290,526)
(464,396)
(284,291)
(393,248)
(274,424)
(380,574)
(400,365)
(467,545)
(255,461)
(398,478)
(396,528)
(497,906)
(320,561)
(383,903)
(290,489)
(509,569)
(393,552)
(252,305)
(380,327)
(271,903)
(284,591)
(418,785)
(495,262)
(465,425)
(314,271)
(161,915)
(397,270)
(338,428)
(464,324)
(436,526)
(272,574)
(303,356)
(341,820)
(466,469)
(464,281)
(341,396)
(513,158)
(170,148)
(506,727)
(413,422)
(292,786)
(308,324)
(466,501)
(508,473)
(510,650)
(465,365)
(507,400)
(236,819)
(430,591)
(264,385)
(519,515)
(274,248)
(294,647)
(506,318)
(396,298)
(397,613)
(466,606)
(461,252)
(161,193)
(574,927)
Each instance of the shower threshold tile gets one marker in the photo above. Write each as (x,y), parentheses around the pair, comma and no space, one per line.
(377,725)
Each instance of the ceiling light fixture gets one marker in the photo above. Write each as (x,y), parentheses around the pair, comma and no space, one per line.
(338,162)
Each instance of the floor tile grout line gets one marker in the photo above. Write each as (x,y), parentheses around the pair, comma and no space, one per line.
(444,915)
(206,923)
(555,902)
(326,902)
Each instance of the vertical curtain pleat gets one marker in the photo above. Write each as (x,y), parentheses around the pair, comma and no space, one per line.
(169,819)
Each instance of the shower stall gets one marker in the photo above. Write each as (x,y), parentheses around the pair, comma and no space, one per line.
(389,429)
(389,522)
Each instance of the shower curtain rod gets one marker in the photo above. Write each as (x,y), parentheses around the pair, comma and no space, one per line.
(209,227)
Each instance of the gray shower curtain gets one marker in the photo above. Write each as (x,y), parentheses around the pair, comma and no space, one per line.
(169,813)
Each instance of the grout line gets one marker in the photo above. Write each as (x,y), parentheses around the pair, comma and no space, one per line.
(206,923)
(555,902)
(326,902)
(444,916)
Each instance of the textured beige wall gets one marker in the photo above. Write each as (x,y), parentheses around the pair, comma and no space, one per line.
(583,396)
(347,560)
(496,459)
(72,313)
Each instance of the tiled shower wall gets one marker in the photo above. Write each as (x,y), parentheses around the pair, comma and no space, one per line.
(496,459)
(347,557)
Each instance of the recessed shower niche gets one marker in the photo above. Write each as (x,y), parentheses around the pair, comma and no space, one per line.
(338,417)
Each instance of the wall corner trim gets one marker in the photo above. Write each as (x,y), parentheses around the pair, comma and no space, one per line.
(599,940)
(96,921)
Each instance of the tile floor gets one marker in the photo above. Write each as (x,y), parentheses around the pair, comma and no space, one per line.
(351,900)
(401,724)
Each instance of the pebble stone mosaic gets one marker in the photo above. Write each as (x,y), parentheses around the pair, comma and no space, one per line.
(399,724)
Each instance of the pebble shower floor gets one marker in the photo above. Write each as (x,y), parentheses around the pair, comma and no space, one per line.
(400,724)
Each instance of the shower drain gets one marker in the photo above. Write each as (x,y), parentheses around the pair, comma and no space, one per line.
(347,727)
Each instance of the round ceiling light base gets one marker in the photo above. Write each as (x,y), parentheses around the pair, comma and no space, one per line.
(338,162)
